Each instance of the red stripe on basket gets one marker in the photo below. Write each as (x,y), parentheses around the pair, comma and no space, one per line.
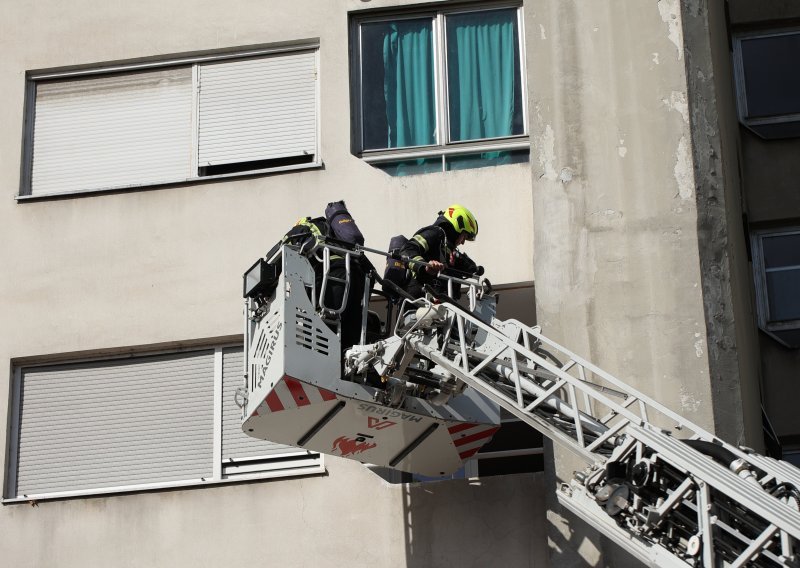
(296,389)
(488,433)
(459,427)
(327,395)
(469,453)
(273,402)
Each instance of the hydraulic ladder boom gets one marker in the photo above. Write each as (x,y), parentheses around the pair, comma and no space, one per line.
(668,501)
(427,396)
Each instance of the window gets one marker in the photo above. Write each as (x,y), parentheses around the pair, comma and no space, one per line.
(439,91)
(776,263)
(514,448)
(137,423)
(170,121)
(767,83)
(791,454)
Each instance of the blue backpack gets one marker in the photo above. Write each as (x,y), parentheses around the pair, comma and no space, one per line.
(342,225)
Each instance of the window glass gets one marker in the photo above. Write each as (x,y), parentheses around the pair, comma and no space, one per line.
(431,81)
(782,251)
(486,159)
(782,268)
(484,89)
(398,101)
(772,83)
(411,167)
(783,291)
(792,456)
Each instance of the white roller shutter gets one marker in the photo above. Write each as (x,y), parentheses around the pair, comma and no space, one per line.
(240,452)
(120,423)
(112,131)
(257,109)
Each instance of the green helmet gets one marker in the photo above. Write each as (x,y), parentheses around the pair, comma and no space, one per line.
(462,220)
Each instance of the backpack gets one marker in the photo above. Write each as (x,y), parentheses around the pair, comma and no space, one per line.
(304,234)
(337,223)
(341,224)
(396,271)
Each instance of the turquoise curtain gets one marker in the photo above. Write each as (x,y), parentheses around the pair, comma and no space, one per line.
(409,83)
(481,55)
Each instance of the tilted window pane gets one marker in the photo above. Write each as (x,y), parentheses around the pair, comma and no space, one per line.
(781,250)
(257,110)
(772,84)
(483,69)
(397,84)
(783,291)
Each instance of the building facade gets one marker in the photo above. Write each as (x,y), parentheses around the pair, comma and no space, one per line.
(153,151)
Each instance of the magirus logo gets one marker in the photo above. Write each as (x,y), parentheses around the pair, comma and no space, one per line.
(349,446)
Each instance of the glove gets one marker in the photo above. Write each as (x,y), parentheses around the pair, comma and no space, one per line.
(464,263)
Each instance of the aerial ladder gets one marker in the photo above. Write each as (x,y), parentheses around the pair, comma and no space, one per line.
(422,393)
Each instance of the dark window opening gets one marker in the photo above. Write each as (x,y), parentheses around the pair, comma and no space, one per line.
(510,465)
(254,165)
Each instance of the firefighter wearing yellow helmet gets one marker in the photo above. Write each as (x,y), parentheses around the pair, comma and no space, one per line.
(438,245)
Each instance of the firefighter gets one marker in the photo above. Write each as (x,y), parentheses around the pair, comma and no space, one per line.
(309,231)
(437,245)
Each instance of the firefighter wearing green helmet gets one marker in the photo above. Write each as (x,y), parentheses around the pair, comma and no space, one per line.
(437,245)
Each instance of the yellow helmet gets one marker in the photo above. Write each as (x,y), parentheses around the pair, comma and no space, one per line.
(462,220)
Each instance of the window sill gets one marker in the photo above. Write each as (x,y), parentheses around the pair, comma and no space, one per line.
(172,183)
(314,468)
(383,156)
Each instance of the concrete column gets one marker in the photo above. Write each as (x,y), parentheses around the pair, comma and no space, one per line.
(632,260)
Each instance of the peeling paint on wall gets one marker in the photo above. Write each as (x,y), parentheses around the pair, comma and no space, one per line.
(547,155)
(677,101)
(688,400)
(621,149)
(611,213)
(683,170)
(655,58)
(670,12)
(698,345)
(541,32)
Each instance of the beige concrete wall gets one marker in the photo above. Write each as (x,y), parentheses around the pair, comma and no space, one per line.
(163,266)
(616,215)
(632,258)
(348,518)
(162,255)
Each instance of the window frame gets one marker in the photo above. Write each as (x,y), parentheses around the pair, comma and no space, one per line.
(193,61)
(245,469)
(760,278)
(753,124)
(444,147)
